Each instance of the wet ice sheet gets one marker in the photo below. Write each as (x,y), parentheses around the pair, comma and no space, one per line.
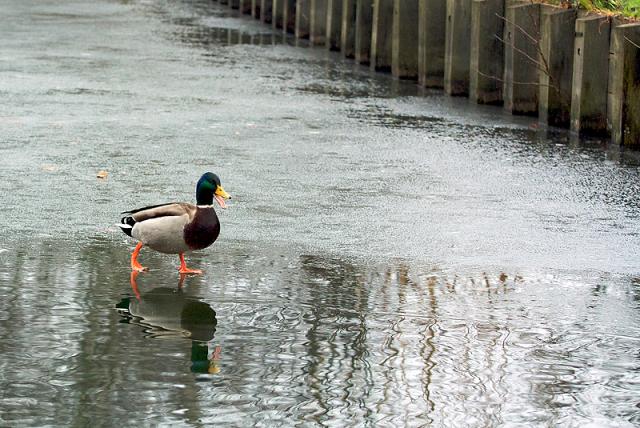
(389,256)
(303,337)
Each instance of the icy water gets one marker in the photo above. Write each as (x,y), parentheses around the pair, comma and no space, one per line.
(392,257)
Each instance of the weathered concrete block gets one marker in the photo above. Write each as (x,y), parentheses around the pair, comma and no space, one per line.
(557,35)
(318,22)
(590,75)
(289,16)
(624,85)
(348,30)
(303,13)
(404,50)
(266,11)
(521,78)
(364,15)
(382,35)
(334,24)
(457,47)
(486,61)
(277,13)
(255,8)
(245,6)
(431,44)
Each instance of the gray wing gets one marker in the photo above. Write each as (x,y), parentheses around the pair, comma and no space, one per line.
(167,210)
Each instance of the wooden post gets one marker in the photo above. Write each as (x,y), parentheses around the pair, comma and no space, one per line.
(348,31)
(624,85)
(521,76)
(486,63)
(363,31)
(590,75)
(404,50)
(334,24)
(318,22)
(457,47)
(557,36)
(431,43)
(382,35)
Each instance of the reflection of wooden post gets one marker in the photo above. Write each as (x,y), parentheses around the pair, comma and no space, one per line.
(334,24)
(278,13)
(557,35)
(266,12)
(255,8)
(404,50)
(457,45)
(245,6)
(303,8)
(363,31)
(521,79)
(234,4)
(624,85)
(289,16)
(486,63)
(590,75)
(431,34)
(318,22)
(382,35)
(348,31)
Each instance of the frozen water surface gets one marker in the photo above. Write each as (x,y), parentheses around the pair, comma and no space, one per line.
(391,257)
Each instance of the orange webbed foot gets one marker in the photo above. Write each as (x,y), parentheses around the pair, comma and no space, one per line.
(185,270)
(139,268)
(135,266)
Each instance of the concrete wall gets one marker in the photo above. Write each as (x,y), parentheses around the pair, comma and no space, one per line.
(570,69)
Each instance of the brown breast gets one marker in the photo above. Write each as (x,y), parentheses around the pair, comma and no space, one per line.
(203,230)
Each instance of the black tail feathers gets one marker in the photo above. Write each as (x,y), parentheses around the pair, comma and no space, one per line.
(126,224)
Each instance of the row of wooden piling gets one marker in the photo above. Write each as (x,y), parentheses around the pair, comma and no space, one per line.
(567,67)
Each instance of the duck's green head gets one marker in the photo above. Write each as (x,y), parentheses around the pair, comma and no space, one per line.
(209,187)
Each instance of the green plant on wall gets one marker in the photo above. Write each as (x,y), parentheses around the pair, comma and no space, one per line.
(632,8)
(629,8)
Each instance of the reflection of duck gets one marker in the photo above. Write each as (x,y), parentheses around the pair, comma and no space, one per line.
(176,228)
(166,311)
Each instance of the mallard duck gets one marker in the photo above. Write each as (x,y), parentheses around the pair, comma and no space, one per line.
(177,227)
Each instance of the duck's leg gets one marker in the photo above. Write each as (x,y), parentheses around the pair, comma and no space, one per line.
(134,259)
(184,268)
